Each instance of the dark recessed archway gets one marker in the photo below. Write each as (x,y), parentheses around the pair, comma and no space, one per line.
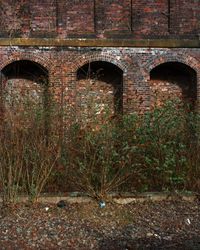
(174,79)
(105,81)
(25,69)
(24,83)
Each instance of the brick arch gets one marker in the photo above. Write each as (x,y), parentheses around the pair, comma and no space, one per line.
(188,61)
(84,59)
(134,85)
(44,62)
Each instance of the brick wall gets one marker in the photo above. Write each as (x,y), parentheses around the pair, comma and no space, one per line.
(185,18)
(100,18)
(136,65)
(173,80)
(130,19)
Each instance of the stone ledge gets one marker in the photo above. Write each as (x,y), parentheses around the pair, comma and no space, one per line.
(146,43)
(122,199)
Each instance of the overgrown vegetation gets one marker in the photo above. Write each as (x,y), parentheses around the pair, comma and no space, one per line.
(157,151)
(28,153)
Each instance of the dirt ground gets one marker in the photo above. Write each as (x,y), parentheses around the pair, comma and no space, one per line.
(166,224)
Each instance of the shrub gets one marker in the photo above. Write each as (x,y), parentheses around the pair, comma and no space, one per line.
(28,153)
(102,153)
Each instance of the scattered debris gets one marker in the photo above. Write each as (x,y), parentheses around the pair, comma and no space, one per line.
(102,204)
(147,225)
(46,209)
(188,222)
(61,204)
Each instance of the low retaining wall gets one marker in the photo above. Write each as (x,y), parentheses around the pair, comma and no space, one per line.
(119,199)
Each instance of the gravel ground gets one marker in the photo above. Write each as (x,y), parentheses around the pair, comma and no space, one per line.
(171,224)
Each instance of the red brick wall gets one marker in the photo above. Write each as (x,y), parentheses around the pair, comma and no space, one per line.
(185,17)
(163,90)
(42,18)
(113,17)
(150,18)
(136,64)
(94,98)
(100,18)
(78,20)
(19,92)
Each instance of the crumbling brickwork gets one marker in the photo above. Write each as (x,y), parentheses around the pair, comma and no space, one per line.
(118,22)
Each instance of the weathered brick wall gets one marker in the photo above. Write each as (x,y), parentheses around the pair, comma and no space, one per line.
(185,18)
(136,64)
(100,18)
(150,18)
(22,91)
(166,89)
(93,98)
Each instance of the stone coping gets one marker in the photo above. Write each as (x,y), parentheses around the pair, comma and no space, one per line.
(145,43)
(122,199)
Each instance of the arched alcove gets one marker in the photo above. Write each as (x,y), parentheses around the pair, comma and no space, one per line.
(24,87)
(173,80)
(23,81)
(25,69)
(100,85)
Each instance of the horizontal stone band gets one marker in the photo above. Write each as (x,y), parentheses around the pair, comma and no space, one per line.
(148,43)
